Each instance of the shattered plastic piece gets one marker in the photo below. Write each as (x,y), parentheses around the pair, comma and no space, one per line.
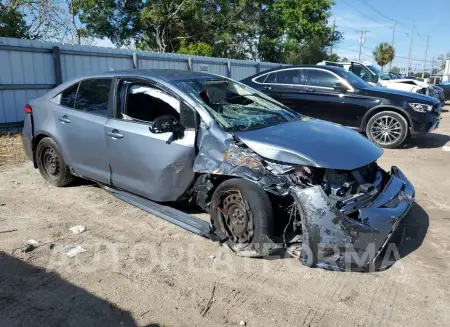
(446,148)
(242,323)
(75,251)
(32,242)
(77,229)
(29,248)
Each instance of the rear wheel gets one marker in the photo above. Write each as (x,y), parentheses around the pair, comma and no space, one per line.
(51,163)
(242,213)
(387,129)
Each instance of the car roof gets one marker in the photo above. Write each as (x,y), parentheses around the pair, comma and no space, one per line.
(163,74)
(330,68)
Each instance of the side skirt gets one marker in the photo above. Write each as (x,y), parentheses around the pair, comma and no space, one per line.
(174,216)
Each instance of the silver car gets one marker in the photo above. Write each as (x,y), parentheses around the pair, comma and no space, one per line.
(269,177)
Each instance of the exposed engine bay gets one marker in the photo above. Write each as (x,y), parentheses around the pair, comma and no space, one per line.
(320,209)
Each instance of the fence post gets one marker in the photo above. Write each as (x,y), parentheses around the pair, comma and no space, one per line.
(258,67)
(190,67)
(135,60)
(229,68)
(57,65)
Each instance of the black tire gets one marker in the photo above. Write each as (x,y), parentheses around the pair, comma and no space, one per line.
(387,129)
(51,163)
(241,211)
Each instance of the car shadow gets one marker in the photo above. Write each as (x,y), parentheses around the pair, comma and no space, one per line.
(32,296)
(408,237)
(428,141)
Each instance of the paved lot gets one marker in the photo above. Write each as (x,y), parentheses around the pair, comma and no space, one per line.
(141,271)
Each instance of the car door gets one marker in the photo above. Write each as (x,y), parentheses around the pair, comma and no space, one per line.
(345,106)
(80,113)
(285,86)
(145,163)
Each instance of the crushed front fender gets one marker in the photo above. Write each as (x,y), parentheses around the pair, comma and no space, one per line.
(332,240)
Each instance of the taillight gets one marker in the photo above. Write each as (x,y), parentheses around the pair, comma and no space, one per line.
(28,109)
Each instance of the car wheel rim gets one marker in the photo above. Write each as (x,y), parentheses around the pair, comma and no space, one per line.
(50,162)
(236,218)
(386,130)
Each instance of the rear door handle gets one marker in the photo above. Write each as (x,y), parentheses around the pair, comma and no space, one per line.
(307,89)
(268,87)
(114,134)
(64,119)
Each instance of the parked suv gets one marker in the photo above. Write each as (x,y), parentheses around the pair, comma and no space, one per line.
(269,177)
(335,94)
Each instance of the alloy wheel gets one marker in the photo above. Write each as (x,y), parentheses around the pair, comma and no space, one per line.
(386,130)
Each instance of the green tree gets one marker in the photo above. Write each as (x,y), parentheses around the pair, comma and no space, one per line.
(12,21)
(345,59)
(395,70)
(384,53)
(197,49)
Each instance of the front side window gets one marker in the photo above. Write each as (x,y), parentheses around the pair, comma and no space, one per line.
(93,95)
(381,75)
(361,72)
(144,103)
(236,107)
(320,78)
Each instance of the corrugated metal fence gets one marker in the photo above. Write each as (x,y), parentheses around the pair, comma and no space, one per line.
(29,68)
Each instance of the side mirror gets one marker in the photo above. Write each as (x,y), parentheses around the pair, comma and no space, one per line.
(339,86)
(165,124)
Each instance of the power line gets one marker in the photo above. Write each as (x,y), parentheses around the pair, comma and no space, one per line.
(362,13)
(376,10)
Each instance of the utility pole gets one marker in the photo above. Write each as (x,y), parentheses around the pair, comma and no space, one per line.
(410,48)
(432,70)
(426,53)
(361,42)
(332,33)
(392,43)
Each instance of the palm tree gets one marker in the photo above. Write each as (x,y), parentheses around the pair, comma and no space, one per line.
(384,53)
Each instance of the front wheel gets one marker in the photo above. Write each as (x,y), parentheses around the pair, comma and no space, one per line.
(387,129)
(51,163)
(242,213)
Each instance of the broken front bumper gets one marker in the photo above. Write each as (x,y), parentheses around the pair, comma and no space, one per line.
(335,241)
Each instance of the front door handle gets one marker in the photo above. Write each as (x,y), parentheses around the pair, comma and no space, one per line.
(114,134)
(268,87)
(64,119)
(307,89)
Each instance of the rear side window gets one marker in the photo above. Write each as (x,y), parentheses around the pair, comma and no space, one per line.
(93,95)
(68,96)
(320,78)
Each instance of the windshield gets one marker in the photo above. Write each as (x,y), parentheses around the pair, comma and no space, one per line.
(236,107)
(381,75)
(355,81)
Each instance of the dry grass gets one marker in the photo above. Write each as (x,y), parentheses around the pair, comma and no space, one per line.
(11,149)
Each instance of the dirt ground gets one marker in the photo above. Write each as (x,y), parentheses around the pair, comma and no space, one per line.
(138,270)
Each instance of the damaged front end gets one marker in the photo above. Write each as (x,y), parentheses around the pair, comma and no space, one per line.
(350,234)
(342,219)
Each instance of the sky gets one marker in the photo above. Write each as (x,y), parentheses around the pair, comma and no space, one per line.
(430,17)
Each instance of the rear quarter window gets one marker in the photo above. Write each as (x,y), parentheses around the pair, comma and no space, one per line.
(67,97)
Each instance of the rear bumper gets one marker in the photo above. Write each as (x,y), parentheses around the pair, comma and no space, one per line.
(332,240)
(27,136)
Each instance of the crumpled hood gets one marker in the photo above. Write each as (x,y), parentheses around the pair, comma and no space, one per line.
(312,142)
